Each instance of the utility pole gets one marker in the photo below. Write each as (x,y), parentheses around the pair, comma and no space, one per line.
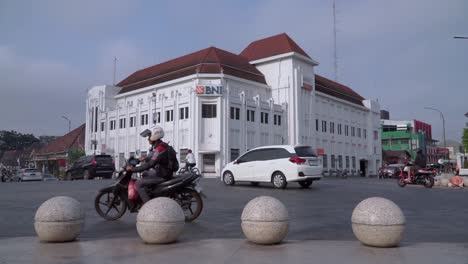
(69,123)
(115,69)
(443,121)
(335,55)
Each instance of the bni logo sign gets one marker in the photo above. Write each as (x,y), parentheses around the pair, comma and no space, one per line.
(208,90)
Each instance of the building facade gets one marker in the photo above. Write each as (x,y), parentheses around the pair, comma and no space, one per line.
(409,136)
(221,104)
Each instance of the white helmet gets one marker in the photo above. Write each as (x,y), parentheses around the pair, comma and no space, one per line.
(157,133)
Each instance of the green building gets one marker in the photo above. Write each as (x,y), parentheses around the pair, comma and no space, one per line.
(402,140)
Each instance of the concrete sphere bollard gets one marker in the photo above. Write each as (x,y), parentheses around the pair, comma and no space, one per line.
(444,182)
(378,222)
(436,181)
(465,181)
(160,221)
(265,220)
(59,219)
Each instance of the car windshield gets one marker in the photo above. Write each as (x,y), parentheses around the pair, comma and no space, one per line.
(103,159)
(305,151)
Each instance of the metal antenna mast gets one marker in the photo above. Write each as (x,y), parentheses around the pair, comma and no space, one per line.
(335,55)
(115,68)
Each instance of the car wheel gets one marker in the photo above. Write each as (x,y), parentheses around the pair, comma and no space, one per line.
(279,180)
(69,176)
(86,175)
(228,178)
(306,183)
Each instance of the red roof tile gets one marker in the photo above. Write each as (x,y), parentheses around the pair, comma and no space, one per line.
(338,90)
(75,138)
(271,46)
(209,60)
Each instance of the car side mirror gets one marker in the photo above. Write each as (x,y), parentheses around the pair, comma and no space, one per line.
(237,162)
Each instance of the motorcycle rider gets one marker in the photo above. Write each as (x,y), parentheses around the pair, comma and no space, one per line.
(419,163)
(155,169)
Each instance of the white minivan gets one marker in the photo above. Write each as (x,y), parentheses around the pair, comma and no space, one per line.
(278,164)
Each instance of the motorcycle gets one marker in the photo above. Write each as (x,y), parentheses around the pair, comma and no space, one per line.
(422,176)
(112,202)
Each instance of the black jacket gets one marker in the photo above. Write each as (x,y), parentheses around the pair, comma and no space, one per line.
(420,160)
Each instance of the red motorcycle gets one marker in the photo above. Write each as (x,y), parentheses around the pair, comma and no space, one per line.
(421,176)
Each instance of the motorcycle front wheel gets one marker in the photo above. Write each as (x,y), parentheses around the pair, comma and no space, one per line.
(191,203)
(109,206)
(401,182)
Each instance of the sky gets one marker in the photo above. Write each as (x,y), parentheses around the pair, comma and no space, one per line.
(401,53)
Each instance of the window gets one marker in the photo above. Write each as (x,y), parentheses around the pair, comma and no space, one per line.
(376,135)
(347,162)
(122,122)
(316,125)
(325,161)
(251,115)
(365,133)
(354,162)
(157,118)
(132,121)
(112,125)
(208,111)
(263,118)
(333,161)
(183,113)
(324,126)
(235,113)
(340,161)
(277,120)
(144,119)
(340,131)
(102,126)
(183,153)
(359,132)
(353,132)
(332,127)
(169,115)
(251,156)
(346,130)
(234,154)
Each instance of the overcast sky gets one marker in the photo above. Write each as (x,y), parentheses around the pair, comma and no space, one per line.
(400,52)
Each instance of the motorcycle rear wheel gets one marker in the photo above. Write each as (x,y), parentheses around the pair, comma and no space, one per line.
(429,182)
(107,202)
(191,203)
(401,182)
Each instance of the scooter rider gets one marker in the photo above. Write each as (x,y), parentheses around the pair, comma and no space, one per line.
(155,169)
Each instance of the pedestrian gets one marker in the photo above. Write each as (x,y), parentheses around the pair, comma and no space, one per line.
(190,160)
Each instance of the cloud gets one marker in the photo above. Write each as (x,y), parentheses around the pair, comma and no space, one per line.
(36,92)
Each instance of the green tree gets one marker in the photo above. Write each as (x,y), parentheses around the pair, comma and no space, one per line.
(465,139)
(12,140)
(75,154)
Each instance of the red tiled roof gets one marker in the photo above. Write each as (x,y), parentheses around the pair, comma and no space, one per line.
(209,60)
(338,90)
(73,139)
(271,46)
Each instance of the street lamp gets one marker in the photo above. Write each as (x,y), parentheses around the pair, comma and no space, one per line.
(460,37)
(69,123)
(466,114)
(443,120)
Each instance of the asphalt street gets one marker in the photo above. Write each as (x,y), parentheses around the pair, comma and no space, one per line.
(322,212)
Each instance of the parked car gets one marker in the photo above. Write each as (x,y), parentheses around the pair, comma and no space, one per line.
(89,167)
(278,164)
(49,177)
(29,174)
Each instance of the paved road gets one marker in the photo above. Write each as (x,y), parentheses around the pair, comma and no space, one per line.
(322,212)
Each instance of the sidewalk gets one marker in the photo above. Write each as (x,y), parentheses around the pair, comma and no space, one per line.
(133,250)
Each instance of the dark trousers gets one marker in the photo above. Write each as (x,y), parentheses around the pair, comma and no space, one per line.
(149,178)
(189,166)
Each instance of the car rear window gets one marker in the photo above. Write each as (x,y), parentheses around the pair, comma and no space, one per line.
(305,152)
(103,159)
(31,170)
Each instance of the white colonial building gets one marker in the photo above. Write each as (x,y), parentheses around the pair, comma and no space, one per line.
(220,104)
